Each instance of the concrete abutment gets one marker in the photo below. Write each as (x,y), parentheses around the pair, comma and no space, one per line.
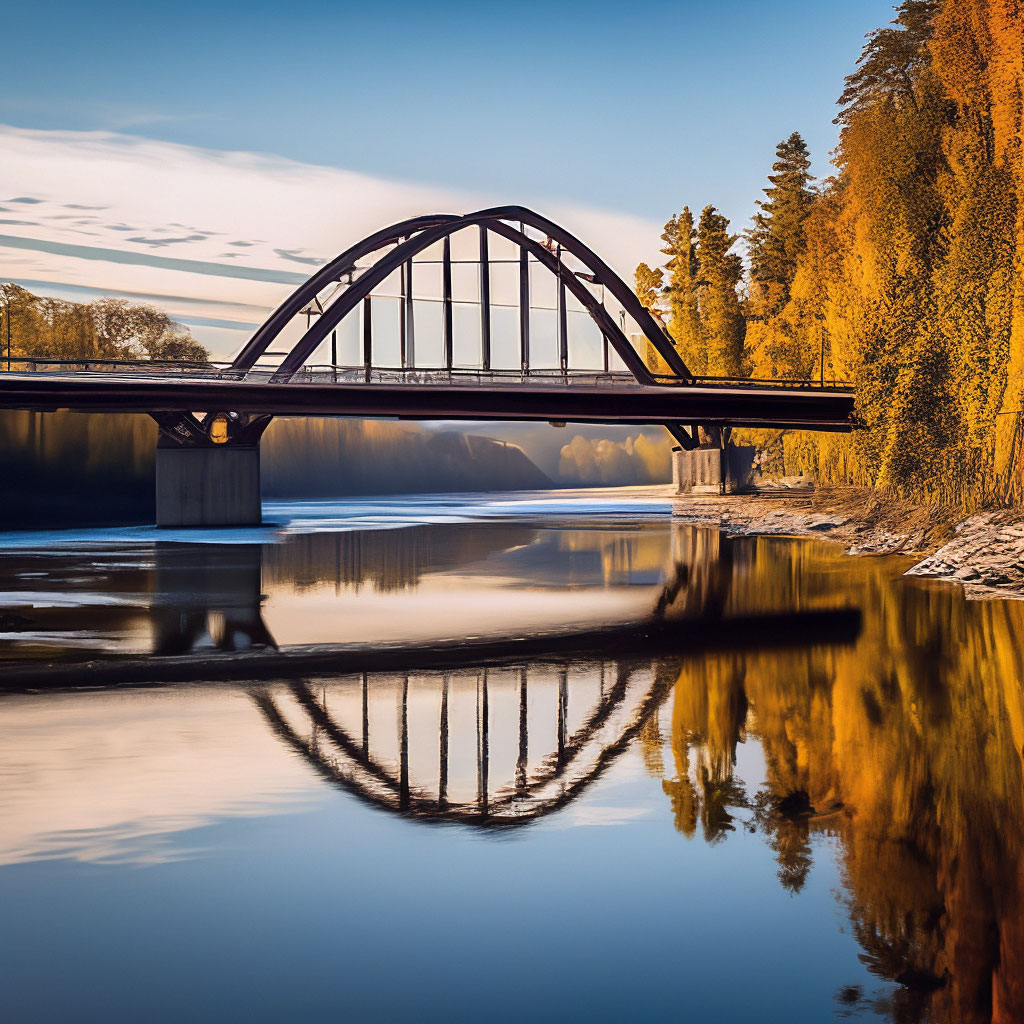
(713,470)
(208,486)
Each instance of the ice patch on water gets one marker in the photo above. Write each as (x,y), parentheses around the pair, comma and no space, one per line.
(285,518)
(63,639)
(119,538)
(396,512)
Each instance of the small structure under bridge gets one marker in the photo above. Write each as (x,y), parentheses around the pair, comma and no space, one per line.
(527,324)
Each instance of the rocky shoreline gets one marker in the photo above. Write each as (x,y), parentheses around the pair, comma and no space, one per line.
(982,552)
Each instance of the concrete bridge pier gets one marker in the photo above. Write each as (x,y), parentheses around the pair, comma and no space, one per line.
(215,485)
(713,470)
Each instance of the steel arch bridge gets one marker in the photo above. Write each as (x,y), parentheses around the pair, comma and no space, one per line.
(343,287)
(240,398)
(212,416)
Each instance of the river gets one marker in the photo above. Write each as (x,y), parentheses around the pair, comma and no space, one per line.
(504,757)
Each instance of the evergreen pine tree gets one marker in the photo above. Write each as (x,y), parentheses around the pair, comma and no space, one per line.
(777,239)
(721,314)
(681,291)
(648,289)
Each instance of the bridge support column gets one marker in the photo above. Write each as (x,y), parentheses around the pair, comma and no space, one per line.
(713,470)
(209,486)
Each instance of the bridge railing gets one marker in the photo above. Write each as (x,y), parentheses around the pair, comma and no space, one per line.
(773,382)
(180,366)
(325,373)
(340,374)
(467,377)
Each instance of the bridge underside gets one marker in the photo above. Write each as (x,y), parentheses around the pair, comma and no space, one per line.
(209,484)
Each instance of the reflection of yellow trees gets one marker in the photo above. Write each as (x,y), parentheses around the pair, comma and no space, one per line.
(708,717)
(650,746)
(907,748)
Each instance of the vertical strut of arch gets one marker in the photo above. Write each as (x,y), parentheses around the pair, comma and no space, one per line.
(403,748)
(563,317)
(485,302)
(408,319)
(524,309)
(446,286)
(524,735)
(442,781)
(368,336)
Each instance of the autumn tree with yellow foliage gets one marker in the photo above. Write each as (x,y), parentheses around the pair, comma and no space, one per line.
(106,328)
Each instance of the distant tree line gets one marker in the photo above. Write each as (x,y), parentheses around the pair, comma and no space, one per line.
(903,273)
(33,325)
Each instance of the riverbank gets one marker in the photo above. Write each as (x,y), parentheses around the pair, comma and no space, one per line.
(983,552)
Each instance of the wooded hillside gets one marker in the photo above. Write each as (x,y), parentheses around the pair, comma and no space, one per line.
(902,272)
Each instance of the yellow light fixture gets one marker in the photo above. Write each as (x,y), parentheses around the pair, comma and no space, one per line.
(219,429)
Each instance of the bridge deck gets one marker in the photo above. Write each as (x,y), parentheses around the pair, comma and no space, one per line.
(596,400)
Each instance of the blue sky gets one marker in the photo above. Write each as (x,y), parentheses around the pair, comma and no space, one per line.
(612,116)
(639,107)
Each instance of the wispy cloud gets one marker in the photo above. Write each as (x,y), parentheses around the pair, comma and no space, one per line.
(92,252)
(166,241)
(161,187)
(293,255)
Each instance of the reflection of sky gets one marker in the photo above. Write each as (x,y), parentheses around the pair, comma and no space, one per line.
(111,778)
(446,606)
(177,862)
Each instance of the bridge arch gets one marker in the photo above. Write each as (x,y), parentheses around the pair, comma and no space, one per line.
(412,237)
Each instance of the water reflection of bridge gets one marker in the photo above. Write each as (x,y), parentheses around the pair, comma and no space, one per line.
(494,747)
(502,744)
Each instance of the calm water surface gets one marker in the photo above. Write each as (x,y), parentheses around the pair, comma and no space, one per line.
(760,781)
